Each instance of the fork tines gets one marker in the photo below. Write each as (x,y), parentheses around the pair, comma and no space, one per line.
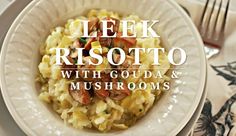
(213,22)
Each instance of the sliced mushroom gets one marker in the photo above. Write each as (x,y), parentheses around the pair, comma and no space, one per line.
(76,44)
(127,64)
(105,77)
(119,94)
(110,24)
(105,42)
(87,67)
(124,43)
(93,24)
(82,96)
(101,93)
(87,46)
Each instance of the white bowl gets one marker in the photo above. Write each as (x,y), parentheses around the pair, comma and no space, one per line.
(20,57)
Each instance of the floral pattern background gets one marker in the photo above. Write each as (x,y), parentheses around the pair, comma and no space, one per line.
(221,123)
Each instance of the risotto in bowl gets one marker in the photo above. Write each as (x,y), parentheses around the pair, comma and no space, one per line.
(93,103)
(58,78)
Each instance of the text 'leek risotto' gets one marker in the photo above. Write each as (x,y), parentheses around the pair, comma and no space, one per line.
(94,105)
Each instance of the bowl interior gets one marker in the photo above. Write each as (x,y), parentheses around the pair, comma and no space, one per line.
(20,58)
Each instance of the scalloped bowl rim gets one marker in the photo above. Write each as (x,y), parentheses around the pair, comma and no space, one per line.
(28,131)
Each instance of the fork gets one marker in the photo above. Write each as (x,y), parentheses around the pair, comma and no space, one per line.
(212,25)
